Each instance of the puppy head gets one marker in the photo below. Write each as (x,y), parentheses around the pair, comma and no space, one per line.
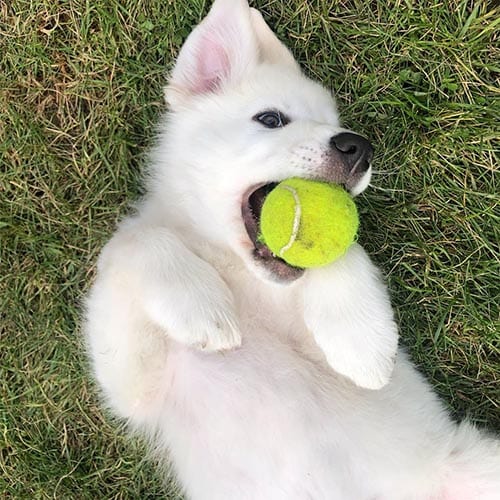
(244,117)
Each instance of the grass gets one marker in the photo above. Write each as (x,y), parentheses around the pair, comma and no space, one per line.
(80,91)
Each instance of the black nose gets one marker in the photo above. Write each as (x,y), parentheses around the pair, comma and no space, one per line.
(356,152)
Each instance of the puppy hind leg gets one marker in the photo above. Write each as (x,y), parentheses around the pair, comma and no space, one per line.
(472,467)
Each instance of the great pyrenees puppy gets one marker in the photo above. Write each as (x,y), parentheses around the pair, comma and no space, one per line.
(255,379)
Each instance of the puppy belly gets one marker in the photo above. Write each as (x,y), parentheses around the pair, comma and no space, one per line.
(247,424)
(265,421)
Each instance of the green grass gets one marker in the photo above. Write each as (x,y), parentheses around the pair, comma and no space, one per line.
(80,92)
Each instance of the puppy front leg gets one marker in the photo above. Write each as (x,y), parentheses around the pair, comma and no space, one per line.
(150,287)
(347,309)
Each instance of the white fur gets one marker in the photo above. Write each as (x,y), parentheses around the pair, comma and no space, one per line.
(254,389)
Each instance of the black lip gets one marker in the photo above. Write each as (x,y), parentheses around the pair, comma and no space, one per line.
(251,206)
(250,218)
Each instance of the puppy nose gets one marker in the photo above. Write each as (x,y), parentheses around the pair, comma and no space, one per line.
(356,152)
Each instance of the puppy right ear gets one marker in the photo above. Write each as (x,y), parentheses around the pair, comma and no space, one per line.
(271,49)
(219,51)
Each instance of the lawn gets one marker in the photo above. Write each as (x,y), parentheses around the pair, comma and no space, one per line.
(80,93)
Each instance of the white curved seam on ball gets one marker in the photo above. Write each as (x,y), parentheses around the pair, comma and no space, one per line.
(296,220)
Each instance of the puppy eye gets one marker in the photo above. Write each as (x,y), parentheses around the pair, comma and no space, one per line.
(272,119)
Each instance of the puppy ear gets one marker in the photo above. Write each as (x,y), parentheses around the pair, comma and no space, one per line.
(270,48)
(218,51)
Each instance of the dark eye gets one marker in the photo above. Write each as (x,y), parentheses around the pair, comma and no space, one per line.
(272,119)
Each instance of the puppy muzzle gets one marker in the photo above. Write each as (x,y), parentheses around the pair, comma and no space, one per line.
(348,159)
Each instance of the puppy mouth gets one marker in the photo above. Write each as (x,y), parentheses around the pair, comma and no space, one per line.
(251,208)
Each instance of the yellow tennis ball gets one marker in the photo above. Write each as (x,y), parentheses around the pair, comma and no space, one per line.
(308,223)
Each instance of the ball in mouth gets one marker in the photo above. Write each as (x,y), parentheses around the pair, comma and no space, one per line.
(251,208)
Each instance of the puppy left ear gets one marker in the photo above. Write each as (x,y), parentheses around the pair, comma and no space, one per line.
(219,51)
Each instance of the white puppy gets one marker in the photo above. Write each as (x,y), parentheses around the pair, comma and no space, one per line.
(256,379)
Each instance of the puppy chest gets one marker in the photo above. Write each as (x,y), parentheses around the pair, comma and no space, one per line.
(274,310)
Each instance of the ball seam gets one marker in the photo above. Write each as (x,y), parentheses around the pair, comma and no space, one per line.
(296,221)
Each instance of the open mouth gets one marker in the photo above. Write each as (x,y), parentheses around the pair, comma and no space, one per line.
(251,208)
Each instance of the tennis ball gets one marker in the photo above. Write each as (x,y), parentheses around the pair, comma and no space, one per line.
(308,223)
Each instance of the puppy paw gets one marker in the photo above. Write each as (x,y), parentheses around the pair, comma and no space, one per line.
(348,311)
(214,330)
(359,352)
(196,310)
